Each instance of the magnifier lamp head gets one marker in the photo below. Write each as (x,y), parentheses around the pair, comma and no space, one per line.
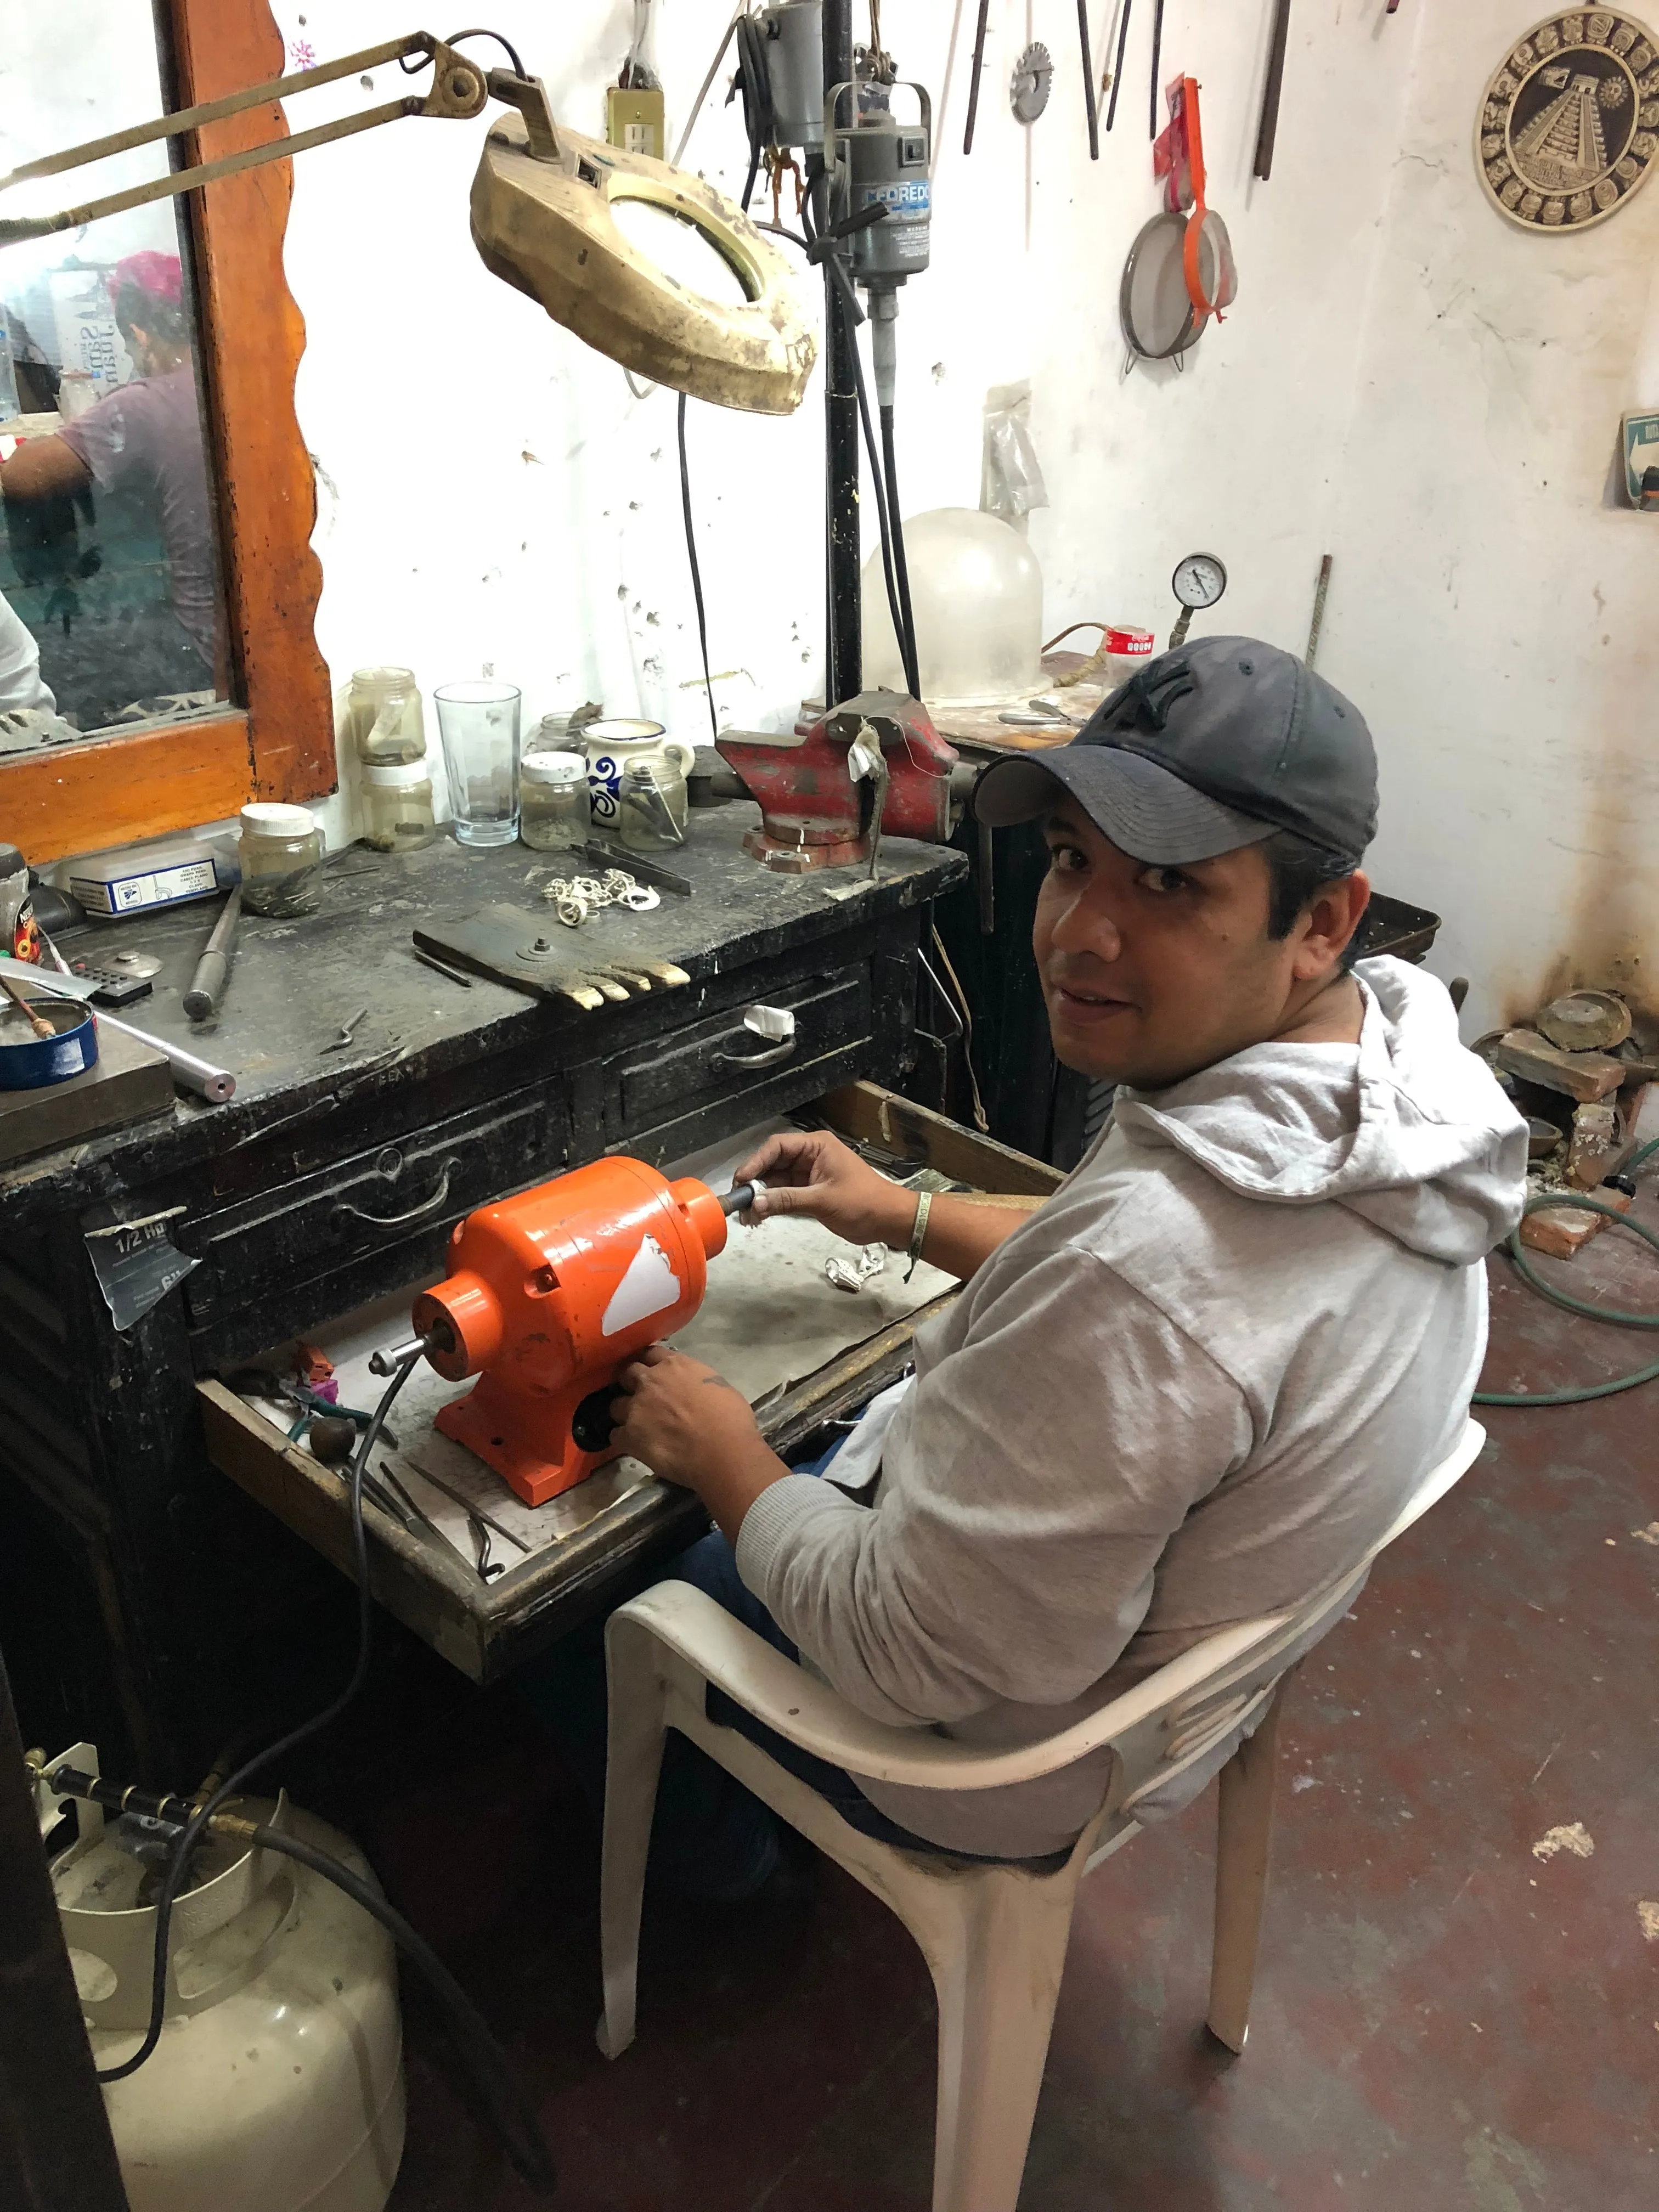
(549,227)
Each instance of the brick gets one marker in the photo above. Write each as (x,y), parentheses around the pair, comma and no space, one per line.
(1594,1146)
(1563,1231)
(1585,1075)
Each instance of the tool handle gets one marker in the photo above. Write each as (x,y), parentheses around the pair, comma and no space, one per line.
(38,1022)
(208,983)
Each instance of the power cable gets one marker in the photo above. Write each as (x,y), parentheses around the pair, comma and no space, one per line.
(192,1831)
(411,67)
(696,574)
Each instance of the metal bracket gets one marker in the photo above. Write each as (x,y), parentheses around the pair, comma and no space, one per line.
(458,90)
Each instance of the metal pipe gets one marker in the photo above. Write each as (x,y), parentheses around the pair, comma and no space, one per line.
(199,1077)
(208,983)
(841,407)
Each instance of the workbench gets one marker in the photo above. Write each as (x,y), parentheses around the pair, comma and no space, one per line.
(145,1602)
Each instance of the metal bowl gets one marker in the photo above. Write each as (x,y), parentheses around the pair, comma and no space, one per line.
(27,1061)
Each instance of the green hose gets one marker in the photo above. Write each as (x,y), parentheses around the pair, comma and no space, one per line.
(1529,1275)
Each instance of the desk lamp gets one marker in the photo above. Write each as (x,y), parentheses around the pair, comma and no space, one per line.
(545,206)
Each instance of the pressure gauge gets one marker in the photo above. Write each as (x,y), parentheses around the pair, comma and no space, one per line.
(1198,581)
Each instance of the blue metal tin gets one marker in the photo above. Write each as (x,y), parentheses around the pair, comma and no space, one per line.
(30,1062)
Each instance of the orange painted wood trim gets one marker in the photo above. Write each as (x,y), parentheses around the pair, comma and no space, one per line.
(254,338)
(280,744)
(64,799)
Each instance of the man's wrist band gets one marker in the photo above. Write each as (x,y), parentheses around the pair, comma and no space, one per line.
(919,1231)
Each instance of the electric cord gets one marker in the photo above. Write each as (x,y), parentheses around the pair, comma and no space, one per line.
(509,2109)
(884,519)
(412,68)
(1582,1394)
(981,1122)
(754,83)
(696,574)
(912,661)
(193,1828)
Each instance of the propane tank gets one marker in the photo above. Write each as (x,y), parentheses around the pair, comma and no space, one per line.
(277,2083)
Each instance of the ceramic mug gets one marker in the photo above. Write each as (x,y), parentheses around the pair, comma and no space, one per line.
(612,747)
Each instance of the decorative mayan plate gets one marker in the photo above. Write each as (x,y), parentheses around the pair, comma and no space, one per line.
(1570,125)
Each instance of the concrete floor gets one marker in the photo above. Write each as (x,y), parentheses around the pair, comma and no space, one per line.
(1449,2013)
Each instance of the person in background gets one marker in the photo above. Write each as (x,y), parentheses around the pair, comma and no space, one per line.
(21,690)
(145,438)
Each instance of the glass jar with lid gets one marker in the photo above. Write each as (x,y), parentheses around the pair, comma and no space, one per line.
(553,808)
(281,855)
(397,815)
(650,807)
(384,712)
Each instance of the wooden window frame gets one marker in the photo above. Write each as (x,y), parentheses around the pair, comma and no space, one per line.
(109,790)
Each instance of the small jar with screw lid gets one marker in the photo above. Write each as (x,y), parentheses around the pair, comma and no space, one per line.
(384,710)
(397,814)
(281,856)
(553,807)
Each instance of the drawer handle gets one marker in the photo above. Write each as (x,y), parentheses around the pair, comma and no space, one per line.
(769,1058)
(767,1022)
(426,1205)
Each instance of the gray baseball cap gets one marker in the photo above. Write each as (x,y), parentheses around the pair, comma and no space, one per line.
(1215,745)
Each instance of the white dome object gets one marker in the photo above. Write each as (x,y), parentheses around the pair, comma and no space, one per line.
(976,594)
(277,2085)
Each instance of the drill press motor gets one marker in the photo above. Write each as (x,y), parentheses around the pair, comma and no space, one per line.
(547,1296)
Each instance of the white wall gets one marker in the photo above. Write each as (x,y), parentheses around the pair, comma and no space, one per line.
(1493,615)
(1405,381)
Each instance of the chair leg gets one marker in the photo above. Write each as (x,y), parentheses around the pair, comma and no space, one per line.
(997,1957)
(636,1699)
(1244,1830)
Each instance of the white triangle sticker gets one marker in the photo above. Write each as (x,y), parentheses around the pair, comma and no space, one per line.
(650,1286)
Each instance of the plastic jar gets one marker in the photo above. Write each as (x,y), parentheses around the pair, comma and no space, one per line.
(650,807)
(397,815)
(553,809)
(281,855)
(384,712)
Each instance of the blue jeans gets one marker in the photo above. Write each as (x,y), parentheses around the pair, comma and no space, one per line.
(711,1839)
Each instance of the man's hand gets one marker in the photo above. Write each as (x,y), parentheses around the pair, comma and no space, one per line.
(690,1427)
(809,1171)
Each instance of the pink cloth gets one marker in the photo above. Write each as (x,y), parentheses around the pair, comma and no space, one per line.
(146,438)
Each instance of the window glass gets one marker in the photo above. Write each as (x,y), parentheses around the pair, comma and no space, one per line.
(111,605)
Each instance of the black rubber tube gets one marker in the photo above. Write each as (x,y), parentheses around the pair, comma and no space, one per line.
(193,1830)
(889,470)
(488,2063)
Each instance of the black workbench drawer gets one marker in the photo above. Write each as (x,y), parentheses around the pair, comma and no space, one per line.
(375,1200)
(719,1060)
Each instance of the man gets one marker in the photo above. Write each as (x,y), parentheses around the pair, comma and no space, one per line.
(146,438)
(1199,1383)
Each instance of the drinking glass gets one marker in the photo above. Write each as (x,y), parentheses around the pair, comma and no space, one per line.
(478,724)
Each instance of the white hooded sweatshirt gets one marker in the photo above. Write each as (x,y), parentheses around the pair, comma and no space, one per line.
(1197,1385)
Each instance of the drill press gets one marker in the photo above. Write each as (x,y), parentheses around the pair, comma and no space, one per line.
(548,1294)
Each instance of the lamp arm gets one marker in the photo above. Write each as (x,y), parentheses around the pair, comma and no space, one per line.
(458,90)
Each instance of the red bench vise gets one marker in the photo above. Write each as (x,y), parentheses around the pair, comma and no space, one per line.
(814,814)
(548,1295)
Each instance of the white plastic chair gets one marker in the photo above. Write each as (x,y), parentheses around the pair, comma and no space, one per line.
(994,1936)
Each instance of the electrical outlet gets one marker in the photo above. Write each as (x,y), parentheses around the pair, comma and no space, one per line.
(1641,444)
(634,121)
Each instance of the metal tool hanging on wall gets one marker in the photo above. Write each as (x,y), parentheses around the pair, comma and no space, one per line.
(1030,86)
(1268,130)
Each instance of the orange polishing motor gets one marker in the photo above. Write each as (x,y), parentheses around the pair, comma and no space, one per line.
(548,1294)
